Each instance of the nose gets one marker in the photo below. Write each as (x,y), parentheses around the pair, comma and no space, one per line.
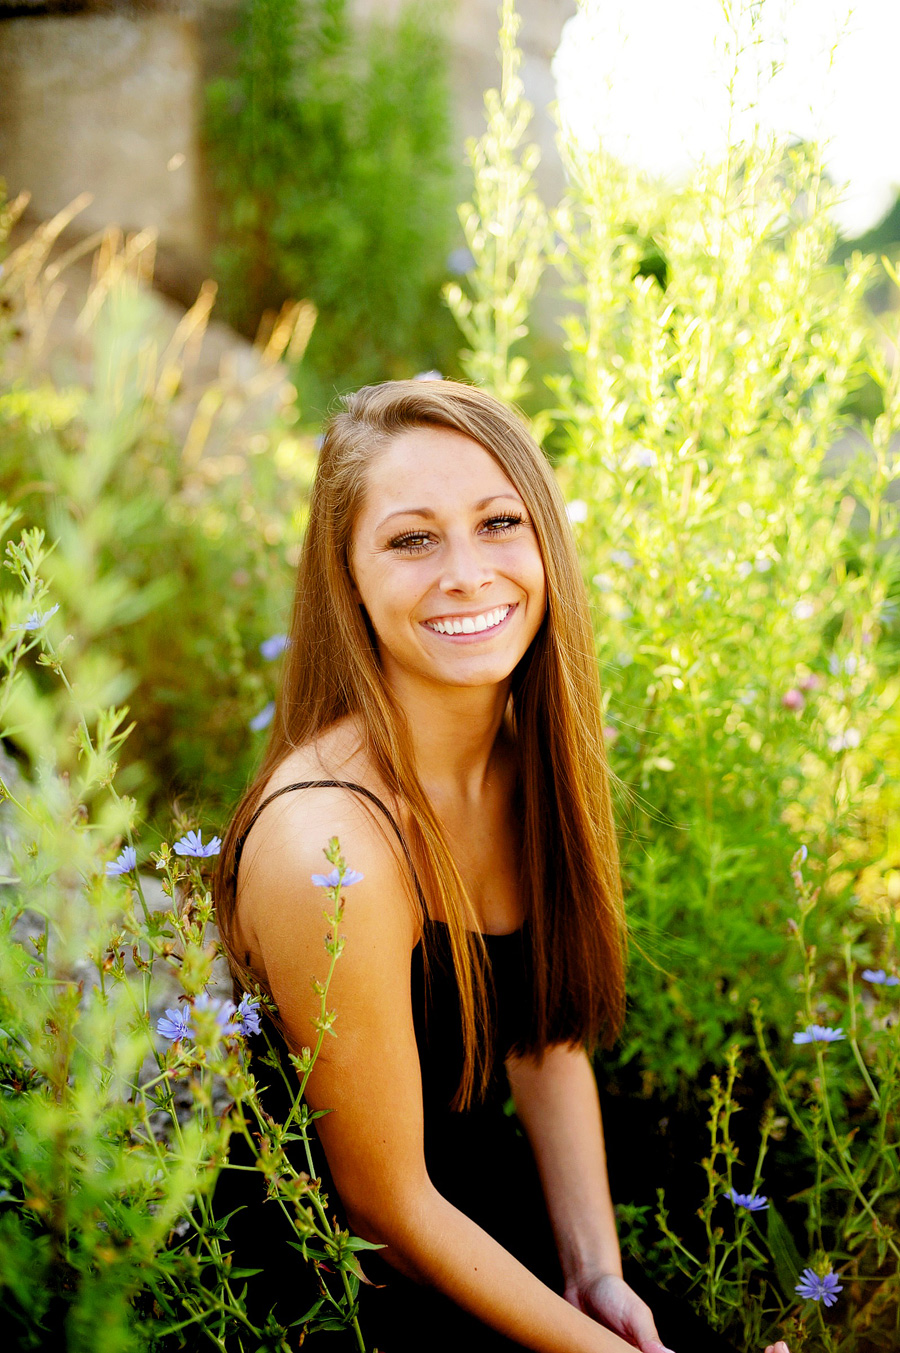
(466,570)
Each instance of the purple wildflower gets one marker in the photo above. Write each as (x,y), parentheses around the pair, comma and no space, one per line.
(751,1202)
(246,1017)
(793,699)
(274,646)
(174,1025)
(643,456)
(880,978)
(460,261)
(816,1287)
(192,844)
(124,862)
(809,683)
(819,1033)
(333,880)
(37,620)
(263,718)
(222,1011)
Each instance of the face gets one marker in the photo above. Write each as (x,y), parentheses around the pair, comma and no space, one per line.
(446,562)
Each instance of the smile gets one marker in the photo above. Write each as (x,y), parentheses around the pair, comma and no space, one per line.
(469,624)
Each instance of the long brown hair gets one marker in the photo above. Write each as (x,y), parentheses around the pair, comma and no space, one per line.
(569,864)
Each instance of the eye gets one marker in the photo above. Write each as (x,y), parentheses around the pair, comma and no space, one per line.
(503,524)
(411,542)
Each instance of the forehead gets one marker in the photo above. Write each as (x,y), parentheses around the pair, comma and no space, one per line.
(424,463)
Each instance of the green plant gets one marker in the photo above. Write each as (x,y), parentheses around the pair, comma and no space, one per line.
(110,1142)
(331,153)
(738,536)
(175,510)
(506,228)
(839,1098)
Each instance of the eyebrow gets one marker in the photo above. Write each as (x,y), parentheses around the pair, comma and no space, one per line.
(430,515)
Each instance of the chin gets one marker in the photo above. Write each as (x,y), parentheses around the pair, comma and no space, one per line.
(486,676)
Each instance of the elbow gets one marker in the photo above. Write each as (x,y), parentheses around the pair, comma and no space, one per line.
(399,1219)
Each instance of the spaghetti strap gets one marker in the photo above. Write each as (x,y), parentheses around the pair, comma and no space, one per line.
(336,784)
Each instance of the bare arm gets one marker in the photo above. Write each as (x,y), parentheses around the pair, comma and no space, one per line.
(557,1103)
(368,1076)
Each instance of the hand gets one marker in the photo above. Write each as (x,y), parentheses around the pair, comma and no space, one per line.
(610,1300)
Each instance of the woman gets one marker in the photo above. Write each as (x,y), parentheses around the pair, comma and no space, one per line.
(440,714)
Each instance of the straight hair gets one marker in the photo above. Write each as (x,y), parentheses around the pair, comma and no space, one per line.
(569,868)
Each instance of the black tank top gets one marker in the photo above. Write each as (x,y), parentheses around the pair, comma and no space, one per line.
(477,1159)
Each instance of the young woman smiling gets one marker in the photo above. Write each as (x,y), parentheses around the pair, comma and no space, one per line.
(440,713)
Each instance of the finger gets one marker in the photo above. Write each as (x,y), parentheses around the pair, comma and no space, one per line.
(654,1346)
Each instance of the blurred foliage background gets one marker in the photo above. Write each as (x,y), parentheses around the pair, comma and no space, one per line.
(332,157)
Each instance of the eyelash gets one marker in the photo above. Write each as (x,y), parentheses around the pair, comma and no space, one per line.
(404,543)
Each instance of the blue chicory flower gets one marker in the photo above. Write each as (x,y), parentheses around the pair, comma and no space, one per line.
(643,456)
(192,844)
(334,878)
(124,862)
(846,741)
(819,1033)
(246,1017)
(460,261)
(816,1287)
(263,718)
(880,978)
(222,1011)
(752,1202)
(174,1025)
(622,558)
(36,620)
(274,646)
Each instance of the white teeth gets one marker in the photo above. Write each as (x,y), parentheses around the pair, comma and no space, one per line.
(470,624)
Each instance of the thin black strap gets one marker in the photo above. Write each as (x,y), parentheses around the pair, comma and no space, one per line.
(335,784)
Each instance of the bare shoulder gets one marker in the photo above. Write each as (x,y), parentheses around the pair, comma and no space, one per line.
(279,908)
(314,796)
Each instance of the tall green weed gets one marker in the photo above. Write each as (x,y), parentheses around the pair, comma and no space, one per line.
(175,508)
(332,158)
(739,541)
(115,1116)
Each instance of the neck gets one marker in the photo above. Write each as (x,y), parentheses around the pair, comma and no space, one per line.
(454,734)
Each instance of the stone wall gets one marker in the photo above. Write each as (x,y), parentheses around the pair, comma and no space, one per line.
(110,102)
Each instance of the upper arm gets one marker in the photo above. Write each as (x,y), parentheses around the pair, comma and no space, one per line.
(368,1075)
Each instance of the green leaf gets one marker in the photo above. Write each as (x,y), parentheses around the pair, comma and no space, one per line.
(355,1243)
(785,1255)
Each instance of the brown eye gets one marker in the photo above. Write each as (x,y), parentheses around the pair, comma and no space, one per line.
(504,523)
(413,542)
